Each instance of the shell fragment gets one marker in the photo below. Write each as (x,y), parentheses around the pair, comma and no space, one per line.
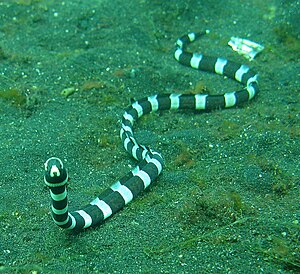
(245,47)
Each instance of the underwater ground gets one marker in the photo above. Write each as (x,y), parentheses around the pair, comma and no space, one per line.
(228,198)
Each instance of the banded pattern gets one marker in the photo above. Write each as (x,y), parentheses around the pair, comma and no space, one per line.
(221,66)
(150,162)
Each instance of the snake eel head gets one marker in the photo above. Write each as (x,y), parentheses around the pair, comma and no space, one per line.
(55,173)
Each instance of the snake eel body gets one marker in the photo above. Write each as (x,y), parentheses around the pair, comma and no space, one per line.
(151,162)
